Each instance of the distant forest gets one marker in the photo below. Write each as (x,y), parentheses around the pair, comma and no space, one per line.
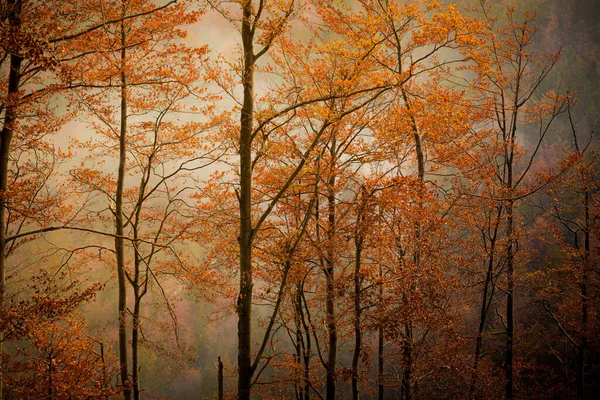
(299,199)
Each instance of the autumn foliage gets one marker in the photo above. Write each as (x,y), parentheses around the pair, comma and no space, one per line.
(366,199)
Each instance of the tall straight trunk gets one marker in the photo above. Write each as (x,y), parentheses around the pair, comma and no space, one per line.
(298,385)
(307,371)
(407,361)
(330,280)
(485,303)
(510,266)
(332,333)
(10,118)
(302,346)
(584,300)
(509,136)
(137,299)
(119,238)
(244,303)
(138,292)
(408,328)
(510,255)
(380,371)
(306,366)
(357,312)
(220,378)
(509,303)
(135,332)
(307,348)
(380,387)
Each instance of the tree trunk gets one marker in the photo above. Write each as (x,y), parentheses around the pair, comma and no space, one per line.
(584,301)
(509,137)
(357,311)
(10,118)
(380,371)
(485,304)
(408,341)
(509,303)
(119,239)
(220,378)
(330,281)
(298,386)
(407,362)
(244,303)
(135,331)
(302,346)
(510,267)
(380,387)
(307,350)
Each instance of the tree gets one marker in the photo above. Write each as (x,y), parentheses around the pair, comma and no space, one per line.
(263,24)
(156,74)
(50,354)
(568,291)
(513,78)
(42,40)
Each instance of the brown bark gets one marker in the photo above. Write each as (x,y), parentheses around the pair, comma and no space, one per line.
(306,345)
(358,243)
(408,328)
(10,118)
(244,303)
(380,341)
(135,332)
(509,154)
(583,286)
(380,371)
(330,280)
(485,302)
(220,378)
(509,303)
(357,316)
(407,363)
(119,240)
(302,346)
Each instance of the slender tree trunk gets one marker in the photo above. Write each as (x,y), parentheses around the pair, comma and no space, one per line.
(332,334)
(485,303)
(302,346)
(408,341)
(584,301)
(582,346)
(244,303)
(298,385)
(330,281)
(135,331)
(509,137)
(119,240)
(510,260)
(306,375)
(220,377)
(357,310)
(380,387)
(307,350)
(509,303)
(380,340)
(306,369)
(407,361)
(10,118)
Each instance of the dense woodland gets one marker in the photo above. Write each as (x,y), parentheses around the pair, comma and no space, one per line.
(298,199)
